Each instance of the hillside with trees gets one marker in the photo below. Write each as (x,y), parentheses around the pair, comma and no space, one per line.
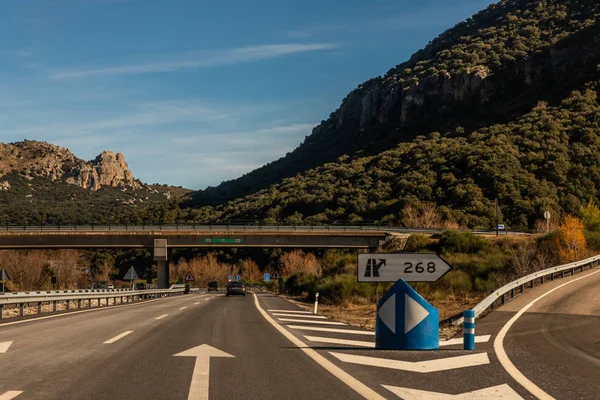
(491,69)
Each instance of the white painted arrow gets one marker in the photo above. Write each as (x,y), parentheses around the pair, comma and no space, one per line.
(495,392)
(387,313)
(201,375)
(4,346)
(440,364)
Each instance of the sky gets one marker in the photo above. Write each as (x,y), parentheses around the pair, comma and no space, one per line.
(197,92)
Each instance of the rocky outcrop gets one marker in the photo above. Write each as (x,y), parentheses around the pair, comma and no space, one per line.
(33,159)
(108,169)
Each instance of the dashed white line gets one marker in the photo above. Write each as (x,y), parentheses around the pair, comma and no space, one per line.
(162,316)
(197,303)
(291,311)
(121,336)
(300,316)
(333,330)
(311,322)
(11,394)
(357,343)
(440,364)
(182,308)
(503,357)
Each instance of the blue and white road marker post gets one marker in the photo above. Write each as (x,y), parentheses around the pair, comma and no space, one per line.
(469,329)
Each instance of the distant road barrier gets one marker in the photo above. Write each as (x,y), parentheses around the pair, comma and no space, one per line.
(241,228)
(509,291)
(21,299)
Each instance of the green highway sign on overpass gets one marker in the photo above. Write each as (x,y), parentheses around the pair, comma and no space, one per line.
(223,240)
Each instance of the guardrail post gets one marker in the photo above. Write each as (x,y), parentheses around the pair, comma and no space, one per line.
(39,307)
(502,299)
(78,303)
(533,283)
(562,273)
(522,288)
(552,276)
(89,303)
(572,271)
(469,330)
(512,293)
(54,306)
(21,309)
(1,310)
(68,306)
(542,279)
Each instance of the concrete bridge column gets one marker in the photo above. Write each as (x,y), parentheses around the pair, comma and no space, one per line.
(162,263)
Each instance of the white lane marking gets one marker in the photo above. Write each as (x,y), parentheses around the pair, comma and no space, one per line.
(494,392)
(503,357)
(300,316)
(11,394)
(4,346)
(334,330)
(162,316)
(292,311)
(182,308)
(201,373)
(339,373)
(196,303)
(455,341)
(311,322)
(121,336)
(441,364)
(357,343)
(208,299)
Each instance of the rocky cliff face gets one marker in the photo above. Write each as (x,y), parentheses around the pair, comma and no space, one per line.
(40,159)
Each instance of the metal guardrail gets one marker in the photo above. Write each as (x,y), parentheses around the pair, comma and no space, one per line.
(510,288)
(53,297)
(238,228)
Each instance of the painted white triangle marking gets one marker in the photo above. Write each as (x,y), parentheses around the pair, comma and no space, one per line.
(441,364)
(414,313)
(387,313)
(11,394)
(357,343)
(4,346)
(495,392)
(456,341)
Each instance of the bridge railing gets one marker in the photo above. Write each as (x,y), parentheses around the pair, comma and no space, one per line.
(237,228)
(509,291)
(22,299)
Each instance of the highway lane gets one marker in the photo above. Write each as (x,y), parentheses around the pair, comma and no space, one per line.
(556,343)
(67,358)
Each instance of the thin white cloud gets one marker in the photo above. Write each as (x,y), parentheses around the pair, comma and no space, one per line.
(223,57)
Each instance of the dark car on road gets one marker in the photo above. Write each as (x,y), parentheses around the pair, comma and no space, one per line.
(236,288)
(213,285)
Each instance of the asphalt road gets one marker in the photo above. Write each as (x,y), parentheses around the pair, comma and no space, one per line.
(66,358)
(268,348)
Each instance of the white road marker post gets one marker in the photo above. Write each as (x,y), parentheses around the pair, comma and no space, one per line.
(316,302)
(469,329)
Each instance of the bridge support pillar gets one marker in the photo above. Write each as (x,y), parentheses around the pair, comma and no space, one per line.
(162,263)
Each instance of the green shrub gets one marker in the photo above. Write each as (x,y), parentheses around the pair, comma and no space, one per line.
(592,240)
(459,281)
(484,285)
(460,242)
(335,290)
(300,283)
(416,243)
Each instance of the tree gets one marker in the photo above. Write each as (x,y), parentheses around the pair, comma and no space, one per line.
(590,216)
(572,240)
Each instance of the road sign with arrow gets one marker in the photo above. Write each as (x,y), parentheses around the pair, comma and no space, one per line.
(406,321)
(412,267)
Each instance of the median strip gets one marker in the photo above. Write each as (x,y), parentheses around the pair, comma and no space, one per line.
(121,336)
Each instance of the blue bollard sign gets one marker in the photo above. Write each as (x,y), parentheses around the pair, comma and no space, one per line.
(406,321)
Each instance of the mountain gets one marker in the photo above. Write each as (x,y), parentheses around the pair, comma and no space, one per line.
(44,183)
(492,68)
(502,105)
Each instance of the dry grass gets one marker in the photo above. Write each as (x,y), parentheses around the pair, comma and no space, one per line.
(361,314)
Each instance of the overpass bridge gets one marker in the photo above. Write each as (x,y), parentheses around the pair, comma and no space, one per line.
(162,237)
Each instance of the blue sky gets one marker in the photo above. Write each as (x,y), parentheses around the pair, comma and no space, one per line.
(197,92)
